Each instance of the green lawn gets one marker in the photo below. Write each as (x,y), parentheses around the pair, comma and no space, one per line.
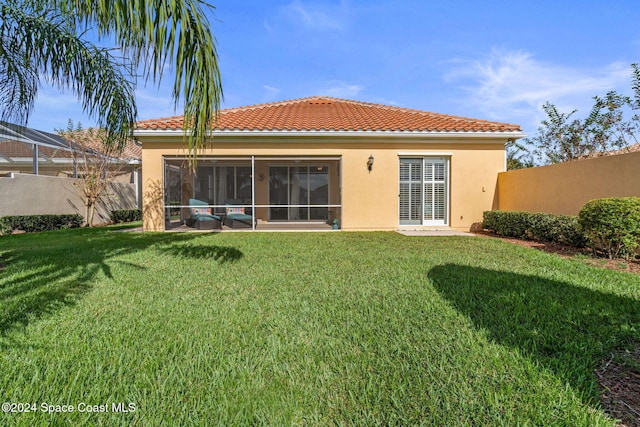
(304,329)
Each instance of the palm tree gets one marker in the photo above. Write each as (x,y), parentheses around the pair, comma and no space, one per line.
(45,39)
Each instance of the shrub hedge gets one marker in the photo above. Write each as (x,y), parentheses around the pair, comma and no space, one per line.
(126,215)
(539,226)
(612,225)
(34,223)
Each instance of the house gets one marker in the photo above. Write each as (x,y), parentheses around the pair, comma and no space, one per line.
(38,172)
(30,151)
(359,165)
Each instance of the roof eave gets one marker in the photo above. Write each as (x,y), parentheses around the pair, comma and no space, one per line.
(342,133)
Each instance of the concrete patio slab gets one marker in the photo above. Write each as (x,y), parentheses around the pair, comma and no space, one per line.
(419,233)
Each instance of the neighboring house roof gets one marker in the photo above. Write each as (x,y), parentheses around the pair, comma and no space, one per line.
(630,149)
(335,114)
(16,146)
(17,142)
(55,153)
(10,132)
(10,149)
(131,151)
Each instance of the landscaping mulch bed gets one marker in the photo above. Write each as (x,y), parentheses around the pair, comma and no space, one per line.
(619,379)
(566,251)
(619,375)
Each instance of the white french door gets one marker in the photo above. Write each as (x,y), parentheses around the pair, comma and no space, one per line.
(424,191)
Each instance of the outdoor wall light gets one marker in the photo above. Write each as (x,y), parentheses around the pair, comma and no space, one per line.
(370,163)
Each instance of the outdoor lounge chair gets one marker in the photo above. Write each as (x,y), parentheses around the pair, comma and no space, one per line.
(236,216)
(201,216)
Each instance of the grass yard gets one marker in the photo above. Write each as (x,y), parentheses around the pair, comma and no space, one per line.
(303,329)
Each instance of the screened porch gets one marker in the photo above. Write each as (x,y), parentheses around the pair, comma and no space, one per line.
(252,193)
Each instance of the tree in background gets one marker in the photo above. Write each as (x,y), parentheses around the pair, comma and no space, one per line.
(562,137)
(518,157)
(96,164)
(47,39)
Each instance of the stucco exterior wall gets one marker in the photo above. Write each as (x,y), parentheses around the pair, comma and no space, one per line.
(39,195)
(369,199)
(564,188)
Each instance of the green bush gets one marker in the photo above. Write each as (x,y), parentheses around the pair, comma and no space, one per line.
(612,225)
(568,231)
(126,215)
(35,223)
(505,223)
(538,226)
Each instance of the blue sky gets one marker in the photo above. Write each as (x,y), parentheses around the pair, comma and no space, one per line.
(494,60)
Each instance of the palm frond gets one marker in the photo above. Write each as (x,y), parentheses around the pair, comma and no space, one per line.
(54,51)
(18,78)
(157,33)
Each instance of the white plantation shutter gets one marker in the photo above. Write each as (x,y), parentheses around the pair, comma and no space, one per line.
(424,191)
(405,173)
(440,202)
(410,200)
(428,201)
(416,201)
(404,202)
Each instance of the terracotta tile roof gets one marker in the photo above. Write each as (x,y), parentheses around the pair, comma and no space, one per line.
(12,148)
(629,149)
(335,114)
(132,150)
(18,149)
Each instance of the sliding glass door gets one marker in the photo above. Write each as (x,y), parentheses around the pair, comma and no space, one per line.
(221,184)
(424,191)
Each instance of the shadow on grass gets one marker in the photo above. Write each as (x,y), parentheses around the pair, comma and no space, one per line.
(220,254)
(43,272)
(566,328)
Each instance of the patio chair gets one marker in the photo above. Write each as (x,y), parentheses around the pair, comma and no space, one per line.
(201,216)
(236,216)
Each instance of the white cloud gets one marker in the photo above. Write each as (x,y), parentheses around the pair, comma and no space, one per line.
(267,26)
(154,104)
(270,93)
(339,89)
(314,17)
(53,109)
(385,101)
(513,85)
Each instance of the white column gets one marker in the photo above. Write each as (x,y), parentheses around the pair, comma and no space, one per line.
(253,193)
(36,170)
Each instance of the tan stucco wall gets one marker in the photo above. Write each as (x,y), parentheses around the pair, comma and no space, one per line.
(39,195)
(369,199)
(566,187)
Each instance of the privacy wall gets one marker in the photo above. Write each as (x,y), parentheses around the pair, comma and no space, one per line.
(564,188)
(35,195)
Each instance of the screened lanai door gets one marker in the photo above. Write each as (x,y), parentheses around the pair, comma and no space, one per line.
(299,193)
(424,191)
